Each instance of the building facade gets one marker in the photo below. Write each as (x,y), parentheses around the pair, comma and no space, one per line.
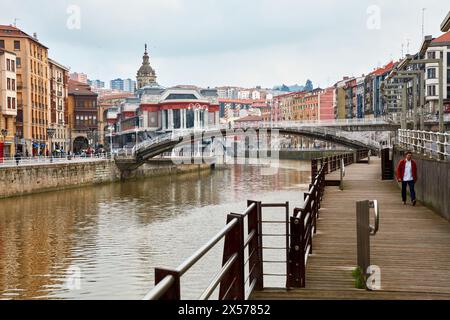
(33,89)
(439,48)
(59,78)
(79,77)
(82,117)
(8,103)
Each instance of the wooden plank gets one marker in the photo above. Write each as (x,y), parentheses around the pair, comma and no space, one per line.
(412,247)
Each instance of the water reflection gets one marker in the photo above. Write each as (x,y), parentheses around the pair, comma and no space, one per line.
(116,234)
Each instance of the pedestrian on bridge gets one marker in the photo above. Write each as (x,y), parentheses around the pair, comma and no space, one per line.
(407,175)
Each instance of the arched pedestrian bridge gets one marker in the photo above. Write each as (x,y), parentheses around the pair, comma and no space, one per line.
(352,134)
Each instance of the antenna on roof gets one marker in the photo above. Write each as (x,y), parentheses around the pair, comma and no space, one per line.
(423,22)
(15,22)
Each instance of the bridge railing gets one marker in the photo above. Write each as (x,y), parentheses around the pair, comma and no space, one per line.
(432,144)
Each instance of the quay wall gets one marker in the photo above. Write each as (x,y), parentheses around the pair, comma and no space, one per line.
(433,182)
(22,180)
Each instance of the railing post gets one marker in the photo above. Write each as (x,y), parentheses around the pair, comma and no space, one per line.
(363,234)
(313,168)
(233,285)
(174,293)
(296,277)
(255,251)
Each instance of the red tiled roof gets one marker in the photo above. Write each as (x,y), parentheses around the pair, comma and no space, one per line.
(13,32)
(249,118)
(443,38)
(383,70)
(260,105)
(113,96)
(79,88)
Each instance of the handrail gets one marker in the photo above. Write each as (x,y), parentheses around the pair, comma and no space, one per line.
(433,144)
(303,223)
(231,280)
(218,277)
(374,228)
(188,263)
(160,288)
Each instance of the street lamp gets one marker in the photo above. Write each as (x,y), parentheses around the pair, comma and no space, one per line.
(50,134)
(17,137)
(110,128)
(4,134)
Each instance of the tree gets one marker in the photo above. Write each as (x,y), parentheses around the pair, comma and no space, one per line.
(309,86)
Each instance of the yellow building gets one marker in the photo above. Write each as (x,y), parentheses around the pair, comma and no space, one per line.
(8,103)
(33,88)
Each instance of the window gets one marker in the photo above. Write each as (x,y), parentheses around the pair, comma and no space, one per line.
(8,83)
(431,73)
(2,44)
(432,55)
(13,84)
(13,103)
(431,91)
(13,66)
(8,65)
(16,45)
(9,102)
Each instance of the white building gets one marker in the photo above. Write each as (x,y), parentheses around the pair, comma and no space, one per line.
(438,49)
(8,100)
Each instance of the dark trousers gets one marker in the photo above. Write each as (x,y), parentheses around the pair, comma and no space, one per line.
(411,190)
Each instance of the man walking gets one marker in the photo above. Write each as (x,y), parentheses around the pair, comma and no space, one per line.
(407,175)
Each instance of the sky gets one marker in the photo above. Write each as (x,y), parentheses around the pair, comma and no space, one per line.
(227,42)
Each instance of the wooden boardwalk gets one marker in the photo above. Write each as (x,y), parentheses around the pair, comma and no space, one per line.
(412,247)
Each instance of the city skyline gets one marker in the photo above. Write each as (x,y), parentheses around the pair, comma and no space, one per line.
(195,43)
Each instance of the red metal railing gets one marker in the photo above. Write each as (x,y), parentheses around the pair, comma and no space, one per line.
(303,226)
(300,230)
(231,277)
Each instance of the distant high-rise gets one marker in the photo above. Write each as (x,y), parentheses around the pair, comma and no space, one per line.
(79,77)
(96,83)
(117,84)
(129,85)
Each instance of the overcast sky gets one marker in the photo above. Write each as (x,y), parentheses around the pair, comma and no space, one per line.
(227,42)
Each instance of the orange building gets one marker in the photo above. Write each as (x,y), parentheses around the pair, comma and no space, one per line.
(33,88)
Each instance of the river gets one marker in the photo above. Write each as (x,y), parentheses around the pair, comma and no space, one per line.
(104,241)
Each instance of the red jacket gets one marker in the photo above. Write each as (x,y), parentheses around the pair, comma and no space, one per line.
(401,169)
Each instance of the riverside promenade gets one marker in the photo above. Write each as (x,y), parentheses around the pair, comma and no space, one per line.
(411,248)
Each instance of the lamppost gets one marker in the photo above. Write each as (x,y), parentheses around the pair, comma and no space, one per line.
(111,128)
(90,135)
(4,134)
(50,133)
(17,138)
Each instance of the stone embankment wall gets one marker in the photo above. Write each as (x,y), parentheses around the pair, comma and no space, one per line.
(21,180)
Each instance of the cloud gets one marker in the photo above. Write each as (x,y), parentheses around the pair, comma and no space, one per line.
(252,42)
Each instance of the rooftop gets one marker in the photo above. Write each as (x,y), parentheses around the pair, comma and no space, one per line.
(80,89)
(13,32)
(443,38)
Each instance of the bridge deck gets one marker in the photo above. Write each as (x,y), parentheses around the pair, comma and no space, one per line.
(412,247)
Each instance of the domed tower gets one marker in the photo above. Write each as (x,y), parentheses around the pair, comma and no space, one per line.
(145,75)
